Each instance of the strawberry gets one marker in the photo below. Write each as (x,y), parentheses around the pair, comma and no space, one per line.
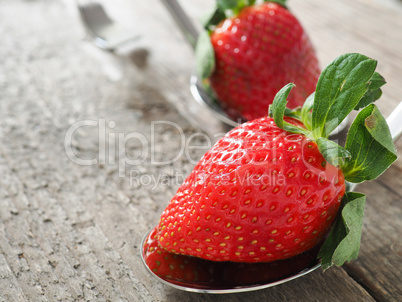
(273,187)
(260,194)
(257,51)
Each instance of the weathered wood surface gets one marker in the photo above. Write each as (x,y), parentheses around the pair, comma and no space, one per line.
(71,232)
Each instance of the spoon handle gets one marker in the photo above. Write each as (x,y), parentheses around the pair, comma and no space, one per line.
(182,20)
(395,122)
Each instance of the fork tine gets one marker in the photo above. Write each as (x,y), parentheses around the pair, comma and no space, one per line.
(107,34)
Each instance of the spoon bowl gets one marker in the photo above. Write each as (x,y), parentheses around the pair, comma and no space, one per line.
(235,277)
(202,98)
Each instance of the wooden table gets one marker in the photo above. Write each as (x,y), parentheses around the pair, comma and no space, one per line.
(70,228)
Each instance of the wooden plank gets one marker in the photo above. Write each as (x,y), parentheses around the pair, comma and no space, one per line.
(379,266)
(364,26)
(9,284)
(78,228)
(12,290)
(368,27)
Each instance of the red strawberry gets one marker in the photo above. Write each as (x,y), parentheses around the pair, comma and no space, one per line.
(260,194)
(257,52)
(272,188)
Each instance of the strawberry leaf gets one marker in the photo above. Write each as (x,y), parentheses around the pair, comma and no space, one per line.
(278,110)
(370,143)
(332,152)
(280,2)
(229,4)
(374,92)
(235,6)
(279,104)
(340,88)
(295,113)
(204,55)
(377,81)
(214,18)
(343,242)
(306,111)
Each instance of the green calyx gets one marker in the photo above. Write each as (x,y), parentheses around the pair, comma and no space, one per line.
(205,57)
(225,9)
(233,7)
(349,83)
(228,8)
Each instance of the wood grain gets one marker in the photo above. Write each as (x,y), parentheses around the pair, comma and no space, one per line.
(71,232)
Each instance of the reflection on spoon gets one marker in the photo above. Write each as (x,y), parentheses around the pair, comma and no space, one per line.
(201,96)
(199,275)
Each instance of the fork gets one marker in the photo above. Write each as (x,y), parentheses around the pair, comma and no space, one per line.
(107,34)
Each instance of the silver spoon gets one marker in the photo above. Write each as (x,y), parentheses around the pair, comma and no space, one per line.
(232,277)
(260,275)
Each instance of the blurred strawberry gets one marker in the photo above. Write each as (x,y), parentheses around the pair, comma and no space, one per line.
(256,51)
